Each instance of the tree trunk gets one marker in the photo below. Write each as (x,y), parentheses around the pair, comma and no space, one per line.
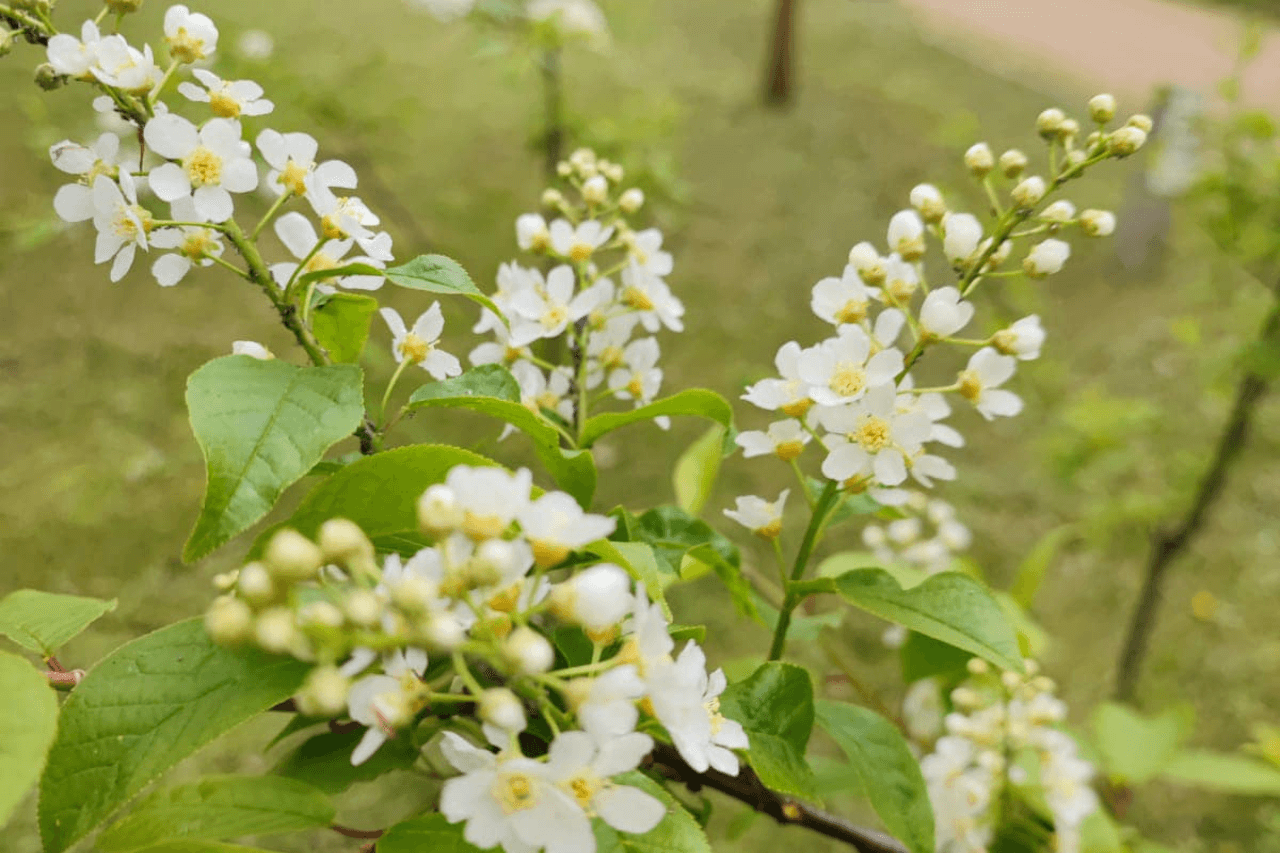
(778,76)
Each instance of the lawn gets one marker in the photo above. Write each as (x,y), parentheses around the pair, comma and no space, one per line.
(101,478)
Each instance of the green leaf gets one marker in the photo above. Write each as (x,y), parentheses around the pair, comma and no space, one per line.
(639,561)
(573,470)
(43,621)
(341,325)
(325,760)
(1036,564)
(338,272)
(438,274)
(428,832)
(890,774)
(220,807)
(145,707)
(950,607)
(1135,748)
(678,832)
(379,493)
(697,402)
(925,657)
(775,706)
(28,718)
(1217,771)
(696,470)
(262,425)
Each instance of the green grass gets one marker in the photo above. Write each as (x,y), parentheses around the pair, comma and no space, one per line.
(101,478)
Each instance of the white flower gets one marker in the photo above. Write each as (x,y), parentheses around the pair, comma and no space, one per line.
(945,312)
(385,703)
(418,344)
(342,217)
(214,162)
(195,245)
(227,98)
(121,222)
(252,349)
(785,439)
(838,370)
(75,57)
(687,703)
(571,17)
(537,392)
(292,158)
(922,710)
(299,237)
(651,297)
(74,202)
(901,280)
(555,526)
(762,517)
(1023,339)
(190,36)
(645,248)
(509,800)
(871,438)
(1046,258)
(123,66)
(962,233)
(842,300)
(979,384)
(906,235)
(531,233)
(597,599)
(609,709)
(580,243)
(445,10)
(490,498)
(649,645)
(547,312)
(790,394)
(641,378)
(581,766)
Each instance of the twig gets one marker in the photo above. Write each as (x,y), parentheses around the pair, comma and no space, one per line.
(747,788)
(1167,544)
(356,833)
(553,109)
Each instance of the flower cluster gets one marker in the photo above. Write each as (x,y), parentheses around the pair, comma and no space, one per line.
(461,629)
(604,292)
(999,742)
(856,394)
(566,18)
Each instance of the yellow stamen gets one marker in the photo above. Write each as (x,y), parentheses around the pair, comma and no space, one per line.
(203,167)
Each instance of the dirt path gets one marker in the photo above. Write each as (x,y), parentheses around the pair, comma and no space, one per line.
(1126,46)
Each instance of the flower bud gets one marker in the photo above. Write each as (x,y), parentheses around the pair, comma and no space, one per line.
(632,200)
(1010,680)
(1049,123)
(563,169)
(414,594)
(978,666)
(364,608)
(552,198)
(1069,129)
(320,614)
(1012,163)
(528,651)
(1029,192)
(583,158)
(342,540)
(867,261)
(1059,213)
(275,630)
(291,556)
(254,584)
(979,159)
(966,698)
(6,40)
(48,78)
(444,632)
(439,512)
(228,620)
(906,235)
(595,190)
(1046,258)
(597,598)
(121,7)
(1098,223)
(1127,140)
(612,171)
(324,693)
(928,200)
(493,560)
(501,708)
(1075,159)
(1141,122)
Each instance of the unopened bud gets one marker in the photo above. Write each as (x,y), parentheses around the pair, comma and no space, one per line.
(1029,192)
(1075,159)
(612,171)
(364,608)
(1010,680)
(6,40)
(978,666)
(1059,213)
(1046,258)
(439,512)
(324,693)
(528,651)
(595,190)
(48,78)
(275,630)
(254,584)
(1098,223)
(563,169)
(552,198)
(444,632)
(1102,108)
(1012,163)
(928,201)
(1049,123)
(966,698)
(867,261)
(292,556)
(342,540)
(1141,122)
(499,707)
(1127,140)
(228,620)
(979,159)
(632,200)
(414,594)
(320,614)
(1068,129)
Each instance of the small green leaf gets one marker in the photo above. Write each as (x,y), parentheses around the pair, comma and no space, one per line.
(145,707)
(696,470)
(950,607)
(487,380)
(220,807)
(1036,564)
(1216,771)
(438,274)
(639,561)
(43,621)
(697,402)
(678,832)
(428,832)
(325,760)
(262,425)
(28,719)
(1135,748)
(341,325)
(890,774)
(379,493)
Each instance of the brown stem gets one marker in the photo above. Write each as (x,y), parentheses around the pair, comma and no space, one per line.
(1168,544)
(780,71)
(356,833)
(553,109)
(747,788)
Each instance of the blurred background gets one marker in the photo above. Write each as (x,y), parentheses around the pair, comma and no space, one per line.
(100,478)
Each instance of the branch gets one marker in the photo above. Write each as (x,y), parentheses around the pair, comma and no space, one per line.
(1167,545)
(747,788)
